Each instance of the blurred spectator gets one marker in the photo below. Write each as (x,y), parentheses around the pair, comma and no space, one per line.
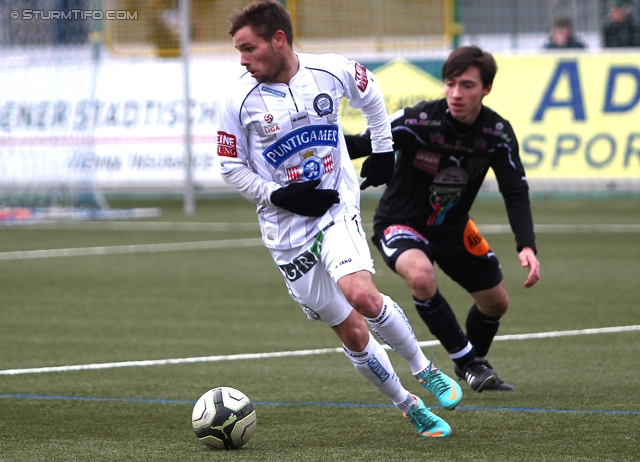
(620,30)
(165,24)
(562,36)
(165,27)
(73,31)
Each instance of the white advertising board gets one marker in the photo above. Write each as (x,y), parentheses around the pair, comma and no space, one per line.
(119,124)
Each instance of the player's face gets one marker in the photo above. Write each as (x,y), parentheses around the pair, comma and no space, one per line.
(464,95)
(260,57)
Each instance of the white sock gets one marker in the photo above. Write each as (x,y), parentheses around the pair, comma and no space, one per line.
(408,403)
(373,364)
(393,329)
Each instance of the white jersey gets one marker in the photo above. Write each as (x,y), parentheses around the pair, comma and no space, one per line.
(271,135)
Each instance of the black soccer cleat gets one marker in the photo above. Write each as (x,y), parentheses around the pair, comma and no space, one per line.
(477,375)
(498,384)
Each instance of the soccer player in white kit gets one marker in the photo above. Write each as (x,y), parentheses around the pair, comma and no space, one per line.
(280,145)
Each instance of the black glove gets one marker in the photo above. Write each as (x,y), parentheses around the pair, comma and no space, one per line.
(305,199)
(377,169)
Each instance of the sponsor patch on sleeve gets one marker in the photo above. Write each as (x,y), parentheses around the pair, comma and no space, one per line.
(361,77)
(227,145)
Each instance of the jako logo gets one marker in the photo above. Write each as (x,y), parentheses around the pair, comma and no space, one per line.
(344,262)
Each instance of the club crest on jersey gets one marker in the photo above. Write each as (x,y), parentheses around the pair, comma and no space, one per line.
(323,104)
(311,168)
(477,167)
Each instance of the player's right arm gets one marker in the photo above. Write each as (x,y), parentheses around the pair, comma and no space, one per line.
(235,158)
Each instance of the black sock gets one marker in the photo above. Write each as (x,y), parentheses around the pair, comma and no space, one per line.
(442,323)
(481,329)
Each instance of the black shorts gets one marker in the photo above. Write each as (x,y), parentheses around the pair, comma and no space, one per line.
(460,251)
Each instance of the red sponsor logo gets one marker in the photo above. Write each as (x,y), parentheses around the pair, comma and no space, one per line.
(268,118)
(403,232)
(227,145)
(361,77)
(427,161)
(271,128)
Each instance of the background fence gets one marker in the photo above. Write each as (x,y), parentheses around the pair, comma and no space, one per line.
(405,26)
(91,91)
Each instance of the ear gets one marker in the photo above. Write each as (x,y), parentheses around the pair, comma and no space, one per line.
(486,90)
(279,39)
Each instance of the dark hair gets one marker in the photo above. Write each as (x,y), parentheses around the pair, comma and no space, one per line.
(563,22)
(620,3)
(465,57)
(265,17)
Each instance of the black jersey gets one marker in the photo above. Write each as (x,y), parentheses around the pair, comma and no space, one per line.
(441,165)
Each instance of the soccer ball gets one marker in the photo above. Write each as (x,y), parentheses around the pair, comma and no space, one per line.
(224,418)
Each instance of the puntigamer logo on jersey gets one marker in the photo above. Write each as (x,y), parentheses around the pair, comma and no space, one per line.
(227,145)
(300,139)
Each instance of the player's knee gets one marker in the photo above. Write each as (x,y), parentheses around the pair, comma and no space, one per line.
(422,283)
(362,294)
(366,302)
(354,335)
(497,307)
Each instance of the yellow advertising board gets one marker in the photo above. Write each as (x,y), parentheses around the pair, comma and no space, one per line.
(575,115)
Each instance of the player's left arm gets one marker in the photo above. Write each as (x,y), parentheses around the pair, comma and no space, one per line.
(358,145)
(364,93)
(514,188)
(528,260)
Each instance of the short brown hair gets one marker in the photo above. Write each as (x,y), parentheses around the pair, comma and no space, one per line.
(265,17)
(465,57)
(563,22)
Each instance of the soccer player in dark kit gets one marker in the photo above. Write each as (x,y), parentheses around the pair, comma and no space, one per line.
(444,151)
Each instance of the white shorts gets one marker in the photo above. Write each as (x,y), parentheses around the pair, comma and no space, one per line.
(311,271)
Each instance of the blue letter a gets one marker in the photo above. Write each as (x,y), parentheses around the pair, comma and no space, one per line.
(575,99)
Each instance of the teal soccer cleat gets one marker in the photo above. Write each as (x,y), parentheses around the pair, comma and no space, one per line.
(428,424)
(446,390)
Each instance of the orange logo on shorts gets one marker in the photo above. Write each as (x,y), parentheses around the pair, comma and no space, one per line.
(473,240)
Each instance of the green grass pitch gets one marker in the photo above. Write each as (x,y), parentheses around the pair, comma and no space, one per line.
(577,397)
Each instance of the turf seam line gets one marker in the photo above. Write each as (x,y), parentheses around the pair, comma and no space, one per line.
(282,354)
(253,226)
(316,403)
(128,249)
(254,242)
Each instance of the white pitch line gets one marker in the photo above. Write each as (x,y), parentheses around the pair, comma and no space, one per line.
(143,226)
(125,249)
(235,243)
(612,228)
(282,354)
(253,226)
